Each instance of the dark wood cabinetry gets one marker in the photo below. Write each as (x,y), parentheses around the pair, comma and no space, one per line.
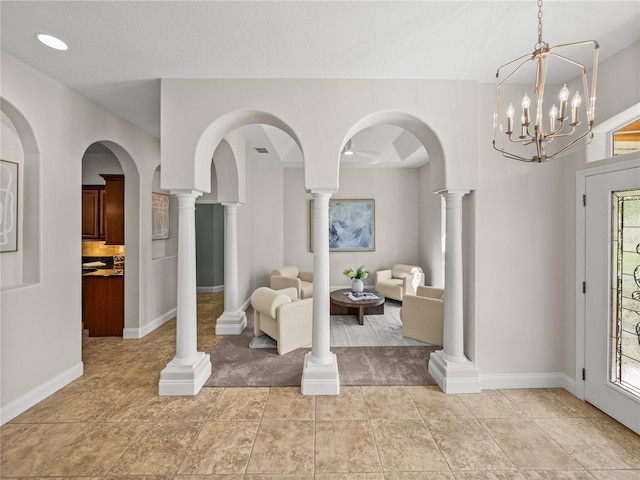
(114,209)
(103,305)
(93,204)
(103,210)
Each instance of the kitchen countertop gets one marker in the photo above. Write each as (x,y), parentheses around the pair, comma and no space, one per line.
(104,272)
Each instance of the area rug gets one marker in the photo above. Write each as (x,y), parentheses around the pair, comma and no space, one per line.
(234,364)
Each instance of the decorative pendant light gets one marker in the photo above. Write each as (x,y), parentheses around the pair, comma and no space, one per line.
(567,126)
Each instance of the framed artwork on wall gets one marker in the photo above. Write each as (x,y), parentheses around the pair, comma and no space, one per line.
(351,225)
(8,206)
(160,219)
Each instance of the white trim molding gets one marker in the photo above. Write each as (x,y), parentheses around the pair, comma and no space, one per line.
(212,289)
(527,380)
(29,399)
(134,333)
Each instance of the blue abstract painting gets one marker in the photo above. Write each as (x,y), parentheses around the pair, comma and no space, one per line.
(351,225)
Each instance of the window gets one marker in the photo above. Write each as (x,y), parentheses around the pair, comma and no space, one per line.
(626,139)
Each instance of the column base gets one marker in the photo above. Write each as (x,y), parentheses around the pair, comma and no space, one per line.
(231,323)
(180,379)
(454,377)
(320,379)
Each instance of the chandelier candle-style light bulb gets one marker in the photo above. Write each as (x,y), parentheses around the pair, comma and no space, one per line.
(526,102)
(575,103)
(510,113)
(569,132)
(563,97)
(553,114)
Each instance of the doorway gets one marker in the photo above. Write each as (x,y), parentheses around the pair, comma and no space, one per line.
(612,292)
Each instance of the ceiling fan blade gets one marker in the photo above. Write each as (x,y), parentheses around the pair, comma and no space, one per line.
(367,153)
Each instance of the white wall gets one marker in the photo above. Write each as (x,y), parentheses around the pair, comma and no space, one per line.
(93,164)
(194,121)
(524,280)
(64,124)
(431,230)
(266,199)
(168,247)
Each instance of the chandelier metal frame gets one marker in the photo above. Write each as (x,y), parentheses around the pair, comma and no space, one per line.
(562,123)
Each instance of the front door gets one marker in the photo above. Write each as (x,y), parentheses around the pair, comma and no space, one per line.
(612,303)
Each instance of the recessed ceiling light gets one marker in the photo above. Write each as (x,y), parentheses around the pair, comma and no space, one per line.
(52,42)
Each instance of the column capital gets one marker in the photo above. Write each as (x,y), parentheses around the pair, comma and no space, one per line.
(461,192)
(232,204)
(322,192)
(186,193)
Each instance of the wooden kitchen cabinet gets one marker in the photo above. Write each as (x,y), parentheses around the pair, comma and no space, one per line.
(103,305)
(114,209)
(93,202)
(103,210)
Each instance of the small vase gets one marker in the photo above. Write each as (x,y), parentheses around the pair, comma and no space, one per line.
(357,286)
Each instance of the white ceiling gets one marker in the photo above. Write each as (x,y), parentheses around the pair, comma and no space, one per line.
(119,50)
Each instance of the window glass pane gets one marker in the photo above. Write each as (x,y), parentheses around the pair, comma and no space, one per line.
(625,301)
(627,138)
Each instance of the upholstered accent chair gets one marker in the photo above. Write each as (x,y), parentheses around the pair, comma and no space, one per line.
(399,281)
(422,315)
(289,276)
(282,316)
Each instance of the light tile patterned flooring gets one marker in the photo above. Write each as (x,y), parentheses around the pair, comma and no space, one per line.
(112,424)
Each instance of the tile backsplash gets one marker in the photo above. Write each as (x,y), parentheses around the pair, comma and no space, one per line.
(99,249)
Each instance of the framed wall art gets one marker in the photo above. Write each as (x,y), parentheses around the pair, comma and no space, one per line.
(160,220)
(351,225)
(8,206)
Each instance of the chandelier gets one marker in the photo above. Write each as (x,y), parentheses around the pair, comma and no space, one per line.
(566,127)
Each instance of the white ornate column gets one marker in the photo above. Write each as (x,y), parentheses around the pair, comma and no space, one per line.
(320,370)
(450,368)
(189,369)
(233,320)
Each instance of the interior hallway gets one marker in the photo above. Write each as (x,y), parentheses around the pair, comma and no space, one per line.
(111,423)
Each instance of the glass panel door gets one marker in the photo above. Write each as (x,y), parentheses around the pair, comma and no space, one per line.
(625,314)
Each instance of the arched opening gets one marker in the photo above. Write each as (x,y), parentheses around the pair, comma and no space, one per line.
(111,240)
(20,200)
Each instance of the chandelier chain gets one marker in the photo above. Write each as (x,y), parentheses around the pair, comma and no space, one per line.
(540,43)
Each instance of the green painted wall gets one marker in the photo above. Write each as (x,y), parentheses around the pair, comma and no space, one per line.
(209,245)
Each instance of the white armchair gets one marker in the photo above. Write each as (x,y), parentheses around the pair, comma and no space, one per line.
(399,281)
(289,276)
(422,315)
(279,314)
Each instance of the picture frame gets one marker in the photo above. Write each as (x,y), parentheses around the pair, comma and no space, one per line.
(8,206)
(351,225)
(160,216)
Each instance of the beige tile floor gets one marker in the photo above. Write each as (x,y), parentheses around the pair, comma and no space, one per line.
(111,424)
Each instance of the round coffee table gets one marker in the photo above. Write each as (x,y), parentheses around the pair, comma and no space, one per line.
(341,304)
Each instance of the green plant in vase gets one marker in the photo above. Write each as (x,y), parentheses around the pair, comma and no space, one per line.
(356,276)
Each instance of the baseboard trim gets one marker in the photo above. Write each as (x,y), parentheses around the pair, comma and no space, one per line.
(25,402)
(213,289)
(527,380)
(133,333)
